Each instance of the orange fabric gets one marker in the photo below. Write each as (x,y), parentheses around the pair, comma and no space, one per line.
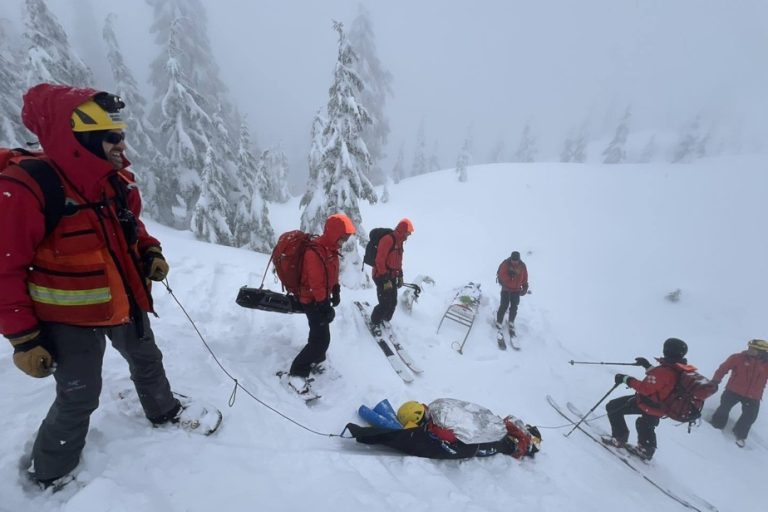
(749,375)
(320,270)
(389,254)
(516,282)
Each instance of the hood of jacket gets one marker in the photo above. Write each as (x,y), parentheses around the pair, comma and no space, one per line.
(46,111)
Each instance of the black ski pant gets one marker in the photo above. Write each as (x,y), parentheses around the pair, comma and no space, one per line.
(645,424)
(79,352)
(317,344)
(508,300)
(387,301)
(749,410)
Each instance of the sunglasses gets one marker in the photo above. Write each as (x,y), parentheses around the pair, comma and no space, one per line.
(114,137)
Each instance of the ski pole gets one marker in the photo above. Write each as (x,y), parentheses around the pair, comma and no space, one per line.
(572,362)
(416,289)
(592,409)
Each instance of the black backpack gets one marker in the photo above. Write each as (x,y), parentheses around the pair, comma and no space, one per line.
(373,244)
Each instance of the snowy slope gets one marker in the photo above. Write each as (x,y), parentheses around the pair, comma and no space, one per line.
(603,245)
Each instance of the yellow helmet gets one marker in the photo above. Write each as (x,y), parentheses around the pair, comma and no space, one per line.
(102,112)
(411,414)
(758,345)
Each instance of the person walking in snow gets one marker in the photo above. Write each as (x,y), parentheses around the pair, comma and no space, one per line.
(512,275)
(319,292)
(65,291)
(387,273)
(453,429)
(658,384)
(749,373)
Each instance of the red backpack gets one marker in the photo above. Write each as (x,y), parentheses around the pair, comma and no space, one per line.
(687,398)
(288,257)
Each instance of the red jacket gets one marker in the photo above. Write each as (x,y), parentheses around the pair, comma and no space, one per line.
(83,246)
(389,254)
(320,270)
(513,276)
(748,375)
(659,382)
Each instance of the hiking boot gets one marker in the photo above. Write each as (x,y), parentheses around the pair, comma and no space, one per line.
(376,329)
(299,384)
(741,443)
(612,441)
(317,368)
(190,415)
(497,324)
(54,484)
(642,452)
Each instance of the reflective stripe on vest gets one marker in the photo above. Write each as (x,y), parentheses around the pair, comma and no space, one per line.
(69,297)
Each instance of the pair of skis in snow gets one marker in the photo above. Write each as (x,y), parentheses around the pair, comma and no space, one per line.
(510,338)
(398,357)
(628,457)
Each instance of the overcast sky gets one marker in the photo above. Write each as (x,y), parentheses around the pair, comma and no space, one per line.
(486,65)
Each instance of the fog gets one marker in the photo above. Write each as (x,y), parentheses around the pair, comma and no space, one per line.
(488,66)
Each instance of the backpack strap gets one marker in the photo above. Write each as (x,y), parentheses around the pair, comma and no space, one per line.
(50,185)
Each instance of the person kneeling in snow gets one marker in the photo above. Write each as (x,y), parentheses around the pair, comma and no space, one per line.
(452,429)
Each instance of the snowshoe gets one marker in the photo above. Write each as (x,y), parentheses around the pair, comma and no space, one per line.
(197,417)
(741,443)
(299,385)
(640,452)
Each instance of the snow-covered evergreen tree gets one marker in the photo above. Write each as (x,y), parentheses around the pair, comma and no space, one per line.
(615,153)
(185,132)
(689,145)
(526,149)
(251,226)
(12,131)
(345,163)
(649,151)
(378,85)
(463,160)
(50,57)
(312,201)
(209,218)
(419,166)
(566,154)
(147,162)
(433,164)
(575,147)
(497,152)
(275,164)
(398,170)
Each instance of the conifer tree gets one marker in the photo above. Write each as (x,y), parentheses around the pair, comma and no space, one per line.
(398,171)
(209,218)
(50,57)
(688,145)
(275,164)
(419,166)
(615,153)
(147,162)
(526,149)
(12,131)
(463,160)
(433,164)
(378,86)
(251,226)
(497,152)
(344,163)
(575,147)
(314,197)
(649,151)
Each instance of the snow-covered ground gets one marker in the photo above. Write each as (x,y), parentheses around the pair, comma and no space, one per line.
(603,244)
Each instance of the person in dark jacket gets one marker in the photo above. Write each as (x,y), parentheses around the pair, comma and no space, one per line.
(319,293)
(657,385)
(512,275)
(65,291)
(749,373)
(387,273)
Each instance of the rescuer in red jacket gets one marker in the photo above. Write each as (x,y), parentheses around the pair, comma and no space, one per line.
(319,293)
(65,291)
(657,385)
(512,275)
(387,272)
(749,373)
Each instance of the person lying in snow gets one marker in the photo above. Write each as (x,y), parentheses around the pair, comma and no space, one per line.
(452,429)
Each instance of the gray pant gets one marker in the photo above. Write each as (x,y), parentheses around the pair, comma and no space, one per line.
(79,352)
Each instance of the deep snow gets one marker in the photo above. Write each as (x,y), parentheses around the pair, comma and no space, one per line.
(603,244)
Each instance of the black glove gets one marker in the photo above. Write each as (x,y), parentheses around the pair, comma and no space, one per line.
(641,361)
(335,295)
(524,291)
(399,282)
(620,378)
(321,310)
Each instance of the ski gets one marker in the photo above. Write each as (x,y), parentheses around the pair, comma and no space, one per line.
(404,354)
(309,396)
(394,360)
(628,461)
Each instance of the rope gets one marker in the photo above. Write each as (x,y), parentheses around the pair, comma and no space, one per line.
(233,395)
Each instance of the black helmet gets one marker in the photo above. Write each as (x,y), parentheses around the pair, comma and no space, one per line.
(515,256)
(675,348)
